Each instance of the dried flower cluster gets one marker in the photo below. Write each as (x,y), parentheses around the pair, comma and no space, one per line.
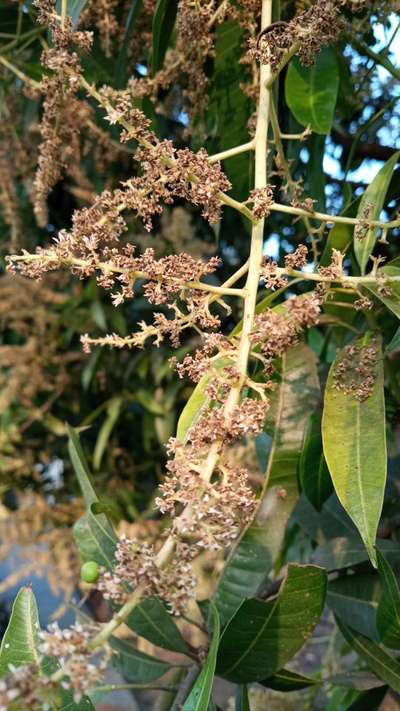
(309,31)
(135,565)
(60,105)
(355,371)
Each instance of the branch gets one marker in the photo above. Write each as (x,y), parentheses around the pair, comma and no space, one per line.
(380,58)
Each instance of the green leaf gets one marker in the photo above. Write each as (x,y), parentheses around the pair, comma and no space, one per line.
(382,664)
(388,614)
(252,560)
(122,60)
(354,598)
(311,92)
(343,552)
(151,620)
(200,695)
(354,437)
(95,538)
(370,700)
(394,344)
(392,302)
(375,195)
(163,24)
(80,465)
(314,474)
(263,636)
(136,666)
(288,680)
(197,401)
(242,698)
(113,412)
(19,644)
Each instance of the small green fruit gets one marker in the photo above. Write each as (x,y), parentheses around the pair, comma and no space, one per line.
(90,572)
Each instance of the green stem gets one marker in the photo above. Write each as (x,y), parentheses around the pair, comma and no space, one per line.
(378,58)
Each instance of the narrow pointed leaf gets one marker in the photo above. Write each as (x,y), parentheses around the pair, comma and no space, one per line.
(394,345)
(374,195)
(253,559)
(380,662)
(200,695)
(80,465)
(242,699)
(354,438)
(311,92)
(136,666)
(288,680)
(163,24)
(262,637)
(388,613)
(314,473)
(19,644)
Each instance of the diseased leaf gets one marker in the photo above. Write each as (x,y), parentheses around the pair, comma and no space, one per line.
(311,92)
(163,24)
(151,620)
(388,613)
(382,664)
(354,599)
(354,438)
(314,473)
(200,695)
(374,196)
(288,680)
(19,643)
(262,637)
(253,559)
(136,666)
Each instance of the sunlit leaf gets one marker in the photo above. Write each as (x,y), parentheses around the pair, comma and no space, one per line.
(354,437)
(374,195)
(19,643)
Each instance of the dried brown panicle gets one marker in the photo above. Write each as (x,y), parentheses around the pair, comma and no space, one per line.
(335,269)
(298,258)
(135,565)
(262,199)
(311,30)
